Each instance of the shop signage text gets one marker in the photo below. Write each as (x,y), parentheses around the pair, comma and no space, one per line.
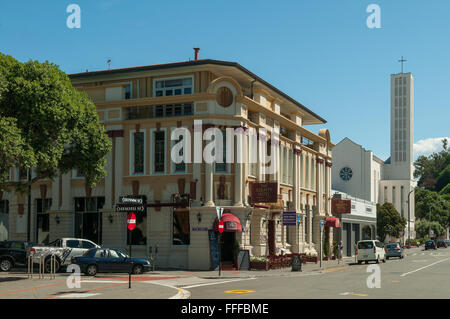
(341,206)
(264,192)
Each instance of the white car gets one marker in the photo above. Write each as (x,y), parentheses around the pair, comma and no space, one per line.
(370,250)
(63,249)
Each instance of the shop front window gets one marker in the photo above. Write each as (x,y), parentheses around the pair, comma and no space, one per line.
(43,222)
(88,219)
(4,219)
(181,227)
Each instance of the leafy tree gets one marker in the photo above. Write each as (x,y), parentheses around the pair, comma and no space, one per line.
(427,169)
(443,178)
(47,124)
(389,221)
(445,190)
(431,205)
(423,227)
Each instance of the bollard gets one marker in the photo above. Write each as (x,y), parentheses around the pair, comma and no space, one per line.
(30,267)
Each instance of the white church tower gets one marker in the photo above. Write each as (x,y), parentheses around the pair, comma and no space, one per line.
(397,185)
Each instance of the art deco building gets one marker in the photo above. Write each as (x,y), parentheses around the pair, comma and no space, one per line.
(140,107)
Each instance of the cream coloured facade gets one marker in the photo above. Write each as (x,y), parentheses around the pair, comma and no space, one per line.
(139,108)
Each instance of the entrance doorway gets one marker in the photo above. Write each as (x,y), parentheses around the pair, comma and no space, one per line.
(227,246)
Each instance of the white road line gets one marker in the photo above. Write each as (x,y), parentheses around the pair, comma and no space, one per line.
(217,283)
(182,294)
(437,262)
(104,281)
(77,295)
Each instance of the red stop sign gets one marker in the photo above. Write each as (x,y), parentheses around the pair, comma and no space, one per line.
(221,226)
(131,221)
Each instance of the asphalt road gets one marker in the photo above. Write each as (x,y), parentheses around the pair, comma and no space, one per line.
(421,274)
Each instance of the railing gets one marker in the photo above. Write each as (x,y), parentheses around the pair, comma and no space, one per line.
(169,110)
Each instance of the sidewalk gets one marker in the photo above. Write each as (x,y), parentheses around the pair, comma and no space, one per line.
(308,268)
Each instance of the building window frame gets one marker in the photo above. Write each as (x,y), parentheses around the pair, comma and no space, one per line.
(132,155)
(182,87)
(152,151)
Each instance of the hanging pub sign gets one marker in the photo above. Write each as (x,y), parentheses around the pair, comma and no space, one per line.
(341,206)
(289,218)
(264,192)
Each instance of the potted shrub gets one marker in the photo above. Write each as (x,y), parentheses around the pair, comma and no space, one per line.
(259,263)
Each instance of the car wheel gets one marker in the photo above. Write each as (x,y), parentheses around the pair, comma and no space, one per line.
(48,265)
(137,270)
(359,262)
(91,270)
(387,258)
(384,259)
(378,260)
(6,264)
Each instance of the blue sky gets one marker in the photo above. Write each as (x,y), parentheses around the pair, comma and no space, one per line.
(319,52)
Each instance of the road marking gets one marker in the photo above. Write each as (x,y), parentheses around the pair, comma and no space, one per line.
(182,294)
(217,283)
(437,262)
(346,293)
(104,281)
(333,269)
(395,280)
(414,254)
(238,291)
(78,295)
(360,295)
(94,289)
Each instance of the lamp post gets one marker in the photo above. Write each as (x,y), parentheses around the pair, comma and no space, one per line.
(409,217)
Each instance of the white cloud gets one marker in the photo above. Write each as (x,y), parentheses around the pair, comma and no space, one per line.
(428,146)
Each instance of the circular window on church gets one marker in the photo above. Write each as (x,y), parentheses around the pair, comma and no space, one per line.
(224,96)
(346,173)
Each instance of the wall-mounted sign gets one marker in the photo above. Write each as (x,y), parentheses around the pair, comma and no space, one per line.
(289,218)
(341,206)
(131,204)
(264,192)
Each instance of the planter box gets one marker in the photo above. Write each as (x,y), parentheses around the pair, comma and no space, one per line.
(262,265)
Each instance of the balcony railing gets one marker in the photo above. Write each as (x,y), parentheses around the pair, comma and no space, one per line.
(169,110)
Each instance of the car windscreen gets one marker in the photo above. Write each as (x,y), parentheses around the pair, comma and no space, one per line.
(365,245)
(391,246)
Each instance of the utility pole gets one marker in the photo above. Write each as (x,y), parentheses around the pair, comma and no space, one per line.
(409,217)
(29,206)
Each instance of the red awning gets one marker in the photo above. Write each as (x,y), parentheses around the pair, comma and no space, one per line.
(332,222)
(231,223)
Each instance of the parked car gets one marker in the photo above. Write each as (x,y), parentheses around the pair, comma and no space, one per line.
(13,253)
(430,244)
(394,250)
(63,249)
(370,250)
(447,241)
(441,244)
(99,260)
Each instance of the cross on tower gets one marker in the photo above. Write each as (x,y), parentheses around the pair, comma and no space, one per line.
(402,61)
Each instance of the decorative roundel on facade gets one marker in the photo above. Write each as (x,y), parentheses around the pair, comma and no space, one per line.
(224,96)
(346,173)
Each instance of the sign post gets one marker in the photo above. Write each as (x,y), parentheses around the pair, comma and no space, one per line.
(131,205)
(321,243)
(131,224)
(220,226)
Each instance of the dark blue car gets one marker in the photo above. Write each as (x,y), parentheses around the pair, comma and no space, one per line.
(98,260)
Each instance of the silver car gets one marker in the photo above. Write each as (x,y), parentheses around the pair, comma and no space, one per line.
(394,250)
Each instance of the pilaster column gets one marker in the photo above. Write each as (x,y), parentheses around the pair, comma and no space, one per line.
(209,184)
(238,184)
(66,203)
(109,180)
